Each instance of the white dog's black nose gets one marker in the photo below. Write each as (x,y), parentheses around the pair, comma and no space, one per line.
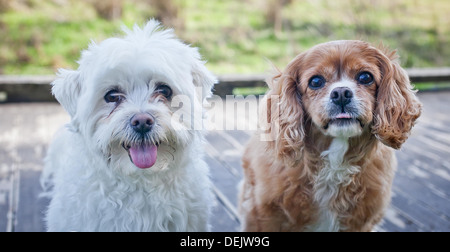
(142,123)
(341,96)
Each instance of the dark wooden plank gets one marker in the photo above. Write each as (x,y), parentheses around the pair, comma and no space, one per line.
(13,198)
(426,195)
(396,221)
(224,159)
(221,149)
(27,93)
(422,165)
(31,209)
(229,208)
(429,74)
(5,190)
(37,88)
(221,221)
(434,174)
(424,217)
(437,147)
(223,180)
(24,140)
(433,103)
(415,74)
(222,218)
(9,187)
(24,79)
(438,135)
(5,170)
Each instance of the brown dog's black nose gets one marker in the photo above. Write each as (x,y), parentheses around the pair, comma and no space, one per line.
(341,96)
(142,123)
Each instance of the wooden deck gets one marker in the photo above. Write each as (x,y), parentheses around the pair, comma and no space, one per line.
(421,191)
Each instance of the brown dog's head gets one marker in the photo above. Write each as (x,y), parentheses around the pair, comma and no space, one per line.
(343,88)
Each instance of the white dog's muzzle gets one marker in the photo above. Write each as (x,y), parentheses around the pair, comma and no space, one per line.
(144,153)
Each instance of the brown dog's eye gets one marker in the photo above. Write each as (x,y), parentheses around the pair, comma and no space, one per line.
(364,78)
(317,82)
(114,96)
(164,90)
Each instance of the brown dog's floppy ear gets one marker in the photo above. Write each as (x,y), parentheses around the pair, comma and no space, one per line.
(397,106)
(287,123)
(66,89)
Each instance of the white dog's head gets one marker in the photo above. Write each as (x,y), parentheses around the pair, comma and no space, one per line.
(120,97)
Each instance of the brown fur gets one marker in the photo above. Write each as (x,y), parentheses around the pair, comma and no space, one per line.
(277,193)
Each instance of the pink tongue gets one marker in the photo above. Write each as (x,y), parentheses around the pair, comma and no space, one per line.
(143,156)
(344,116)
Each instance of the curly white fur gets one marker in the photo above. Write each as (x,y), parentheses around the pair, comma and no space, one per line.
(93,184)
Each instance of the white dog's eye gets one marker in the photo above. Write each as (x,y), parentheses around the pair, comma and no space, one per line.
(114,96)
(164,90)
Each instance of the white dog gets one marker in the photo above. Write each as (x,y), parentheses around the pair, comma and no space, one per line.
(123,163)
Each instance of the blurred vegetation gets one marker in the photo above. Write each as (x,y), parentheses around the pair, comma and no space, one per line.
(235,36)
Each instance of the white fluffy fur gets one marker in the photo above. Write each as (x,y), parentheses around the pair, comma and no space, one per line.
(94,185)
(328,181)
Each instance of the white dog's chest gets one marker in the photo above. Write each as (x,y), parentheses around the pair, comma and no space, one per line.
(124,208)
(97,198)
(328,182)
(144,211)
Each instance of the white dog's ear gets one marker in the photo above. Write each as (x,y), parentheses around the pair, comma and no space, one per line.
(66,89)
(203,79)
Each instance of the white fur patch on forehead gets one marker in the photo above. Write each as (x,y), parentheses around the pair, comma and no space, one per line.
(146,74)
(152,28)
(143,53)
(344,82)
(151,43)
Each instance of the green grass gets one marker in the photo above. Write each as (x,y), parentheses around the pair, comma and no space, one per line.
(38,44)
(234,36)
(432,86)
(250,91)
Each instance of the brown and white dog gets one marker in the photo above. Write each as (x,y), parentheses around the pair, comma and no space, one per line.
(343,107)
